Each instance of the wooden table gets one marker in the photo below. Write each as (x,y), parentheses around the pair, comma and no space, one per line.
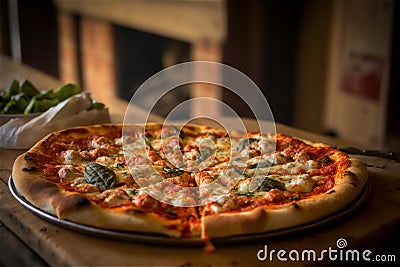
(373,226)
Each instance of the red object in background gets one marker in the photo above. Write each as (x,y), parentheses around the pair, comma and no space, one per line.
(363,76)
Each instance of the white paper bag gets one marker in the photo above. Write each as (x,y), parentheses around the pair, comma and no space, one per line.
(23,133)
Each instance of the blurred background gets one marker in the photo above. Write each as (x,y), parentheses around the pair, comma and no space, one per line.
(329,67)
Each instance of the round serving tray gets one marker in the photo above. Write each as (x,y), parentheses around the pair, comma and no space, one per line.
(149,238)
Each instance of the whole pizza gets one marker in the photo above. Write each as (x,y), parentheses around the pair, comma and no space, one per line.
(185,181)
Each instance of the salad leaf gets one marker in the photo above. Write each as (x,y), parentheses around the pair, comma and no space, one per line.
(27,88)
(66,91)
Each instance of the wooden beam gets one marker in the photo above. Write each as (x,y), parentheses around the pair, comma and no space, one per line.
(189,21)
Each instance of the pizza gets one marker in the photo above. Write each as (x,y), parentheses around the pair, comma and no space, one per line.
(185,181)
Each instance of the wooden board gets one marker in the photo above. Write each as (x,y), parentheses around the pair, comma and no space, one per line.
(9,244)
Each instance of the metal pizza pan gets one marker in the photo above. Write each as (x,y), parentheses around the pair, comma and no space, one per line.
(149,238)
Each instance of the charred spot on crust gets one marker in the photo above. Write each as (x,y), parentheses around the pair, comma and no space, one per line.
(348,173)
(351,178)
(82,202)
(29,169)
(66,203)
(74,201)
(332,191)
(48,138)
(295,205)
(27,157)
(138,211)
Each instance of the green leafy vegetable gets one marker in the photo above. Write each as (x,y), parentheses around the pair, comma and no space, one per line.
(261,164)
(97,105)
(132,192)
(47,94)
(66,91)
(24,98)
(45,104)
(11,107)
(27,88)
(269,184)
(327,160)
(12,89)
(99,175)
(21,101)
(31,105)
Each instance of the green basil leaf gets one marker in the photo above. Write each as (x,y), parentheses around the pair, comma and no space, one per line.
(269,184)
(132,192)
(261,164)
(327,160)
(99,175)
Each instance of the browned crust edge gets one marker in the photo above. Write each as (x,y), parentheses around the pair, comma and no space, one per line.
(347,187)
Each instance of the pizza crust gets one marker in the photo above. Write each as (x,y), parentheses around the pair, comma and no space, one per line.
(262,219)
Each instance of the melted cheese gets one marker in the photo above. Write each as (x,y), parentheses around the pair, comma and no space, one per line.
(134,147)
(104,160)
(246,186)
(275,158)
(116,198)
(299,183)
(69,173)
(295,166)
(122,176)
(71,157)
(224,203)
